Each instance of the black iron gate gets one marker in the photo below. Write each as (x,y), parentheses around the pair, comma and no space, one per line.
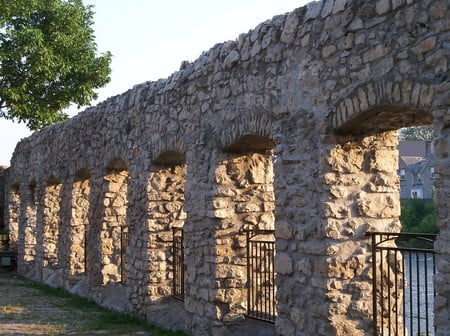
(403,291)
(124,241)
(178,264)
(261,275)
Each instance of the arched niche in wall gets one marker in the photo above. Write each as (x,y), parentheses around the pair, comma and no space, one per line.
(366,156)
(13,213)
(51,226)
(165,224)
(250,143)
(244,205)
(30,230)
(114,230)
(79,222)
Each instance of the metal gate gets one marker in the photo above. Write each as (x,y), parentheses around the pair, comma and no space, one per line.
(403,290)
(124,241)
(261,275)
(178,264)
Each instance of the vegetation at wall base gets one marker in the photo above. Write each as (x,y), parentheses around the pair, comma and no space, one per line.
(105,318)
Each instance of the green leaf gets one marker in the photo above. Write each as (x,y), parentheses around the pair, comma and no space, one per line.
(48,59)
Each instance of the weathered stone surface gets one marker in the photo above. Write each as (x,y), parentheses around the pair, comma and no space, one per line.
(291,128)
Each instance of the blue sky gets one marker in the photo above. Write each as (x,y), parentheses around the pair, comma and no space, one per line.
(150,38)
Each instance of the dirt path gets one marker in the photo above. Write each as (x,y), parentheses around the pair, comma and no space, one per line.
(30,309)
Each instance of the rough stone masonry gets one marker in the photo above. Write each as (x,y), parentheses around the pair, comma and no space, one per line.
(291,127)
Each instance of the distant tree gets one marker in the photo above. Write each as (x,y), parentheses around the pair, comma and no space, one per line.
(418,216)
(417,133)
(47,59)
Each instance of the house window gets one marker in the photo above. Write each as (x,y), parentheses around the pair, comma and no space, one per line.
(419,178)
(404,192)
(432,172)
(402,174)
(417,193)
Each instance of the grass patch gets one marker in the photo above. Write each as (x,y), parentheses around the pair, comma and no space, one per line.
(100,318)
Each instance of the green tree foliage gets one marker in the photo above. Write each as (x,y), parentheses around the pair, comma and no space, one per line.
(418,216)
(48,59)
(417,133)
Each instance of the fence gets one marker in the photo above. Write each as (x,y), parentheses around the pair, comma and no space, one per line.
(123,248)
(403,291)
(261,275)
(178,264)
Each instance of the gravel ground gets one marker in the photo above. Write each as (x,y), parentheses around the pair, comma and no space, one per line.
(26,309)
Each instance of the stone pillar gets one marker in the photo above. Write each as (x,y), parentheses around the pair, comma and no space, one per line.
(200,242)
(137,251)
(442,199)
(95,218)
(300,260)
(61,275)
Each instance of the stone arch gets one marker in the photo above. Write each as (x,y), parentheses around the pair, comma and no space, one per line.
(168,150)
(388,104)
(252,133)
(116,164)
(79,222)
(169,158)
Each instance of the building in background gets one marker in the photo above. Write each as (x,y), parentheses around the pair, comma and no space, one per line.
(416,169)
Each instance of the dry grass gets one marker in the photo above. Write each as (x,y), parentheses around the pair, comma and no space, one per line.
(29,308)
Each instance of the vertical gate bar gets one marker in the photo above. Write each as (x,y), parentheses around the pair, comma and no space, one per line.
(381,289)
(257,278)
(426,291)
(174,266)
(374,284)
(263,285)
(249,286)
(267,286)
(253,278)
(418,292)
(434,290)
(389,304)
(403,291)
(261,302)
(410,293)
(182,264)
(396,291)
(85,249)
(272,268)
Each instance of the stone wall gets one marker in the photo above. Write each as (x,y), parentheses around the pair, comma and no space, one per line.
(292,126)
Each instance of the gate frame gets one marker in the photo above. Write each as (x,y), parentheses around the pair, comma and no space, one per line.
(376,247)
(178,267)
(268,315)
